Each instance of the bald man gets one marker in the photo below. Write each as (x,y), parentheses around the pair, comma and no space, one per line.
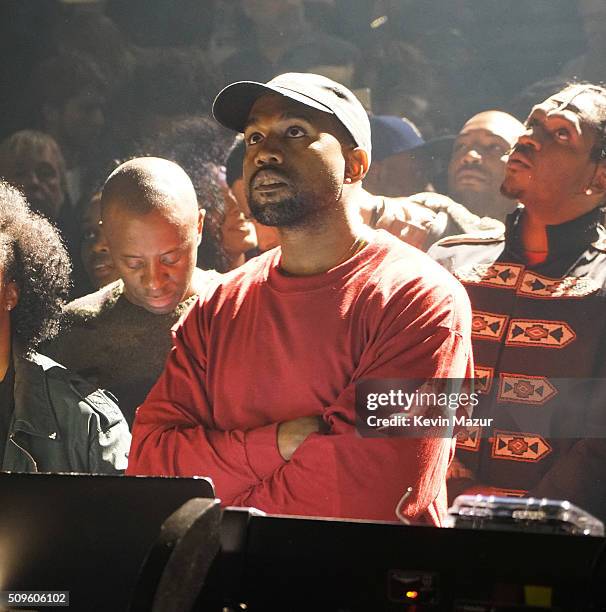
(119,336)
(474,204)
(477,165)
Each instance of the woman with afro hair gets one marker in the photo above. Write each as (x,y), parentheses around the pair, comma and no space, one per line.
(50,419)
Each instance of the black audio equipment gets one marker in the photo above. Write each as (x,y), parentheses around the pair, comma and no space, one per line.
(84,534)
(163,545)
(272,563)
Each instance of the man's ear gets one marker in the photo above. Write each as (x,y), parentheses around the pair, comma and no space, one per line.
(201,215)
(598,183)
(356,165)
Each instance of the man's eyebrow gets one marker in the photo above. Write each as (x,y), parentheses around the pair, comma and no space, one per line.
(173,250)
(487,134)
(299,115)
(302,116)
(559,108)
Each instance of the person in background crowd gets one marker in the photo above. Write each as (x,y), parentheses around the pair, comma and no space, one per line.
(477,165)
(96,36)
(405,164)
(163,23)
(590,65)
(50,419)
(539,331)
(200,146)
(94,249)
(336,303)
(168,86)
(69,92)
(267,237)
(399,166)
(279,38)
(32,161)
(237,232)
(475,173)
(403,82)
(119,336)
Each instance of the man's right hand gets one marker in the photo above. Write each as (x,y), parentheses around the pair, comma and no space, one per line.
(411,220)
(291,434)
(431,200)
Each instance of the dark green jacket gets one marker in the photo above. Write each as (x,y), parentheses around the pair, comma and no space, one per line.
(61,423)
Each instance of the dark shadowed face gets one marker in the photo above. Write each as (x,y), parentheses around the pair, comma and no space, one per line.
(9,297)
(154,254)
(237,231)
(83,119)
(37,172)
(551,165)
(402,174)
(94,250)
(267,237)
(294,163)
(477,164)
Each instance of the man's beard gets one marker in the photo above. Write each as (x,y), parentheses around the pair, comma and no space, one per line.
(296,211)
(510,192)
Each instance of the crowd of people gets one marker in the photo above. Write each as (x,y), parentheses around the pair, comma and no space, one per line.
(220,278)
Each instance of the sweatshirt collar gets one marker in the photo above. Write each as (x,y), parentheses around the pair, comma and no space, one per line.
(569,237)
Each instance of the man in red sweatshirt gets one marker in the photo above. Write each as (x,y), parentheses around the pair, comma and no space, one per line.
(259,390)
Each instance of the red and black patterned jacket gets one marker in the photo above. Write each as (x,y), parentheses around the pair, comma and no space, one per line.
(539,340)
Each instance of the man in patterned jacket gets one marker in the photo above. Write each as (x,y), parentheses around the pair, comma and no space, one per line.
(539,314)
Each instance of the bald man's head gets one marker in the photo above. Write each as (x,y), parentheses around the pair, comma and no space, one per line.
(477,165)
(153,227)
(145,184)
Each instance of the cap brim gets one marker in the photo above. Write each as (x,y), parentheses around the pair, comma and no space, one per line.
(232,105)
(440,147)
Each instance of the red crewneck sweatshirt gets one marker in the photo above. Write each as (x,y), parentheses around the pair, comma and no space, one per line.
(261,348)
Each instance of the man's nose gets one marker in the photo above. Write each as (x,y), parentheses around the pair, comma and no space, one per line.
(268,152)
(100,244)
(531,138)
(152,277)
(232,207)
(472,156)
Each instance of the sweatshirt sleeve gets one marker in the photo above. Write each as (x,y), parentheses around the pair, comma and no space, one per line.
(174,432)
(335,474)
(343,474)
